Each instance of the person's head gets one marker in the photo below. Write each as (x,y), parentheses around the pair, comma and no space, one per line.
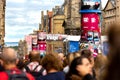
(72,56)
(61,56)
(51,61)
(9,57)
(80,66)
(100,64)
(34,56)
(114,35)
(88,54)
(100,61)
(113,67)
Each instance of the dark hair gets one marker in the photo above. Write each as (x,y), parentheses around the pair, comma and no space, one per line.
(87,53)
(74,63)
(34,56)
(114,35)
(113,67)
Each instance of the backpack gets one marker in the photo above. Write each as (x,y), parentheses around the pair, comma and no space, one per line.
(20,76)
(33,73)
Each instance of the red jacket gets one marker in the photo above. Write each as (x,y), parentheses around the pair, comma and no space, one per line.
(4,75)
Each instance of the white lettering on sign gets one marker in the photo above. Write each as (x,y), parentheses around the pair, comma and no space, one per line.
(52,37)
(85,19)
(93,20)
(89,3)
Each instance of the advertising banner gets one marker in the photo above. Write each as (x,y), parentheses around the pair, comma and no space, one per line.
(42,46)
(41,35)
(96,36)
(73,46)
(90,36)
(28,39)
(90,4)
(90,22)
(34,42)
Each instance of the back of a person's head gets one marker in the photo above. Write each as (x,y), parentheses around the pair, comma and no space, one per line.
(113,67)
(51,61)
(100,60)
(9,56)
(34,56)
(114,35)
(87,53)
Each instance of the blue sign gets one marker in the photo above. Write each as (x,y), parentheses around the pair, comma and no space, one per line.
(73,46)
(90,11)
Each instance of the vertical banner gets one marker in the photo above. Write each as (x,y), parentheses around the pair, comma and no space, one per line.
(28,39)
(34,43)
(90,23)
(42,41)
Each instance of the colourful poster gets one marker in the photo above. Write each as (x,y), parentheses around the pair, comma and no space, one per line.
(90,4)
(96,36)
(90,36)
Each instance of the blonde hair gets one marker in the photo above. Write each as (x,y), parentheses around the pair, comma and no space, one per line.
(72,56)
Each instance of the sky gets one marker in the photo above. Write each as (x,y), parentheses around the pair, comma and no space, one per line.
(24,16)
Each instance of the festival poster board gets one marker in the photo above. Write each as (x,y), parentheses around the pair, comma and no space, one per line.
(90,4)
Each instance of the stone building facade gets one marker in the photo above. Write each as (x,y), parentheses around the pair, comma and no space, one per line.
(111,14)
(51,23)
(72,22)
(22,48)
(2,22)
(117,3)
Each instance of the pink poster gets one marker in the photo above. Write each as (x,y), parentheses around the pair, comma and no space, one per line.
(34,47)
(90,22)
(28,39)
(34,40)
(42,46)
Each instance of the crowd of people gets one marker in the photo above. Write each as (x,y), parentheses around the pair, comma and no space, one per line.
(81,65)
